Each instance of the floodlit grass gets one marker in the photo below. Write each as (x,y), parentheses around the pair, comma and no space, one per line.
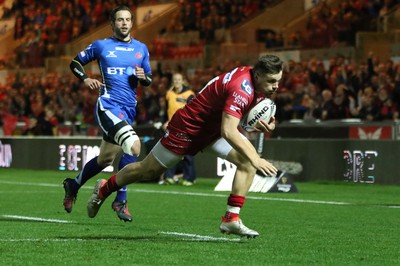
(177,225)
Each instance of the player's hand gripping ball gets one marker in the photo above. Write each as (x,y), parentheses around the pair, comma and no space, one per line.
(263,110)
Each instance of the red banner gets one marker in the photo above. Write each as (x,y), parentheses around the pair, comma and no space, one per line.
(370,132)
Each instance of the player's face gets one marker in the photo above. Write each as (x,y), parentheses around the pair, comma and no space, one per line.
(122,25)
(267,84)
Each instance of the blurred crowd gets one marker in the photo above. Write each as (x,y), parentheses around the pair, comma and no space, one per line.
(335,26)
(42,27)
(209,19)
(339,89)
(208,16)
(310,90)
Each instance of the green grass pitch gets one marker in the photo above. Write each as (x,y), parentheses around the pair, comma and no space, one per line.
(323,224)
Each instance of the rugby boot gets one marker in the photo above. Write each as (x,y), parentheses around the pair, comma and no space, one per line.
(96,200)
(70,195)
(121,208)
(235,226)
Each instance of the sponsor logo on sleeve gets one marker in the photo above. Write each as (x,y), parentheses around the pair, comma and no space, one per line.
(239,99)
(234,108)
(246,86)
(228,76)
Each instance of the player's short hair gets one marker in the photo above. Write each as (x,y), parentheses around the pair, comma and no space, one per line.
(119,8)
(268,64)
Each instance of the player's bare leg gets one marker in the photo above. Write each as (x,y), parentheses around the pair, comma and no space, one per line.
(231,222)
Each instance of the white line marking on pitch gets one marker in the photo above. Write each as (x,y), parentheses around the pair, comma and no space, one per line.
(37,219)
(57,239)
(187,237)
(40,239)
(199,194)
(248,197)
(31,184)
(200,237)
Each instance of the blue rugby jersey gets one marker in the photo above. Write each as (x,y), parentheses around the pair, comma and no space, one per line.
(117,61)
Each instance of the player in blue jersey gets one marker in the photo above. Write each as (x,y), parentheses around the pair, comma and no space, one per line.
(123,63)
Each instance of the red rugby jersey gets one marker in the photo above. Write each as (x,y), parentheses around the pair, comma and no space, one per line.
(199,122)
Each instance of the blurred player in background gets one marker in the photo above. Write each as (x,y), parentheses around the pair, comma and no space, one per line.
(176,98)
(210,122)
(123,62)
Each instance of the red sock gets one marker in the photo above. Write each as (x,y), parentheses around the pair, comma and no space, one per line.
(110,187)
(236,200)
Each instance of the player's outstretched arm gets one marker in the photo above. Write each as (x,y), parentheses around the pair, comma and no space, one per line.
(230,132)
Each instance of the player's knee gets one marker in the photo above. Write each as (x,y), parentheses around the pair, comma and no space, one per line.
(126,137)
(135,148)
(131,145)
(246,166)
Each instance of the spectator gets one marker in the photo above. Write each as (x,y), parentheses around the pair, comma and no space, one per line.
(42,125)
(340,108)
(368,109)
(322,111)
(176,98)
(387,109)
(317,75)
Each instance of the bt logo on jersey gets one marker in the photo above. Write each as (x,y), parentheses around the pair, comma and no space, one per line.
(115,70)
(121,70)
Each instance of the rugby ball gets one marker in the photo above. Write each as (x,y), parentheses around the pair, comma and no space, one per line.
(264,110)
